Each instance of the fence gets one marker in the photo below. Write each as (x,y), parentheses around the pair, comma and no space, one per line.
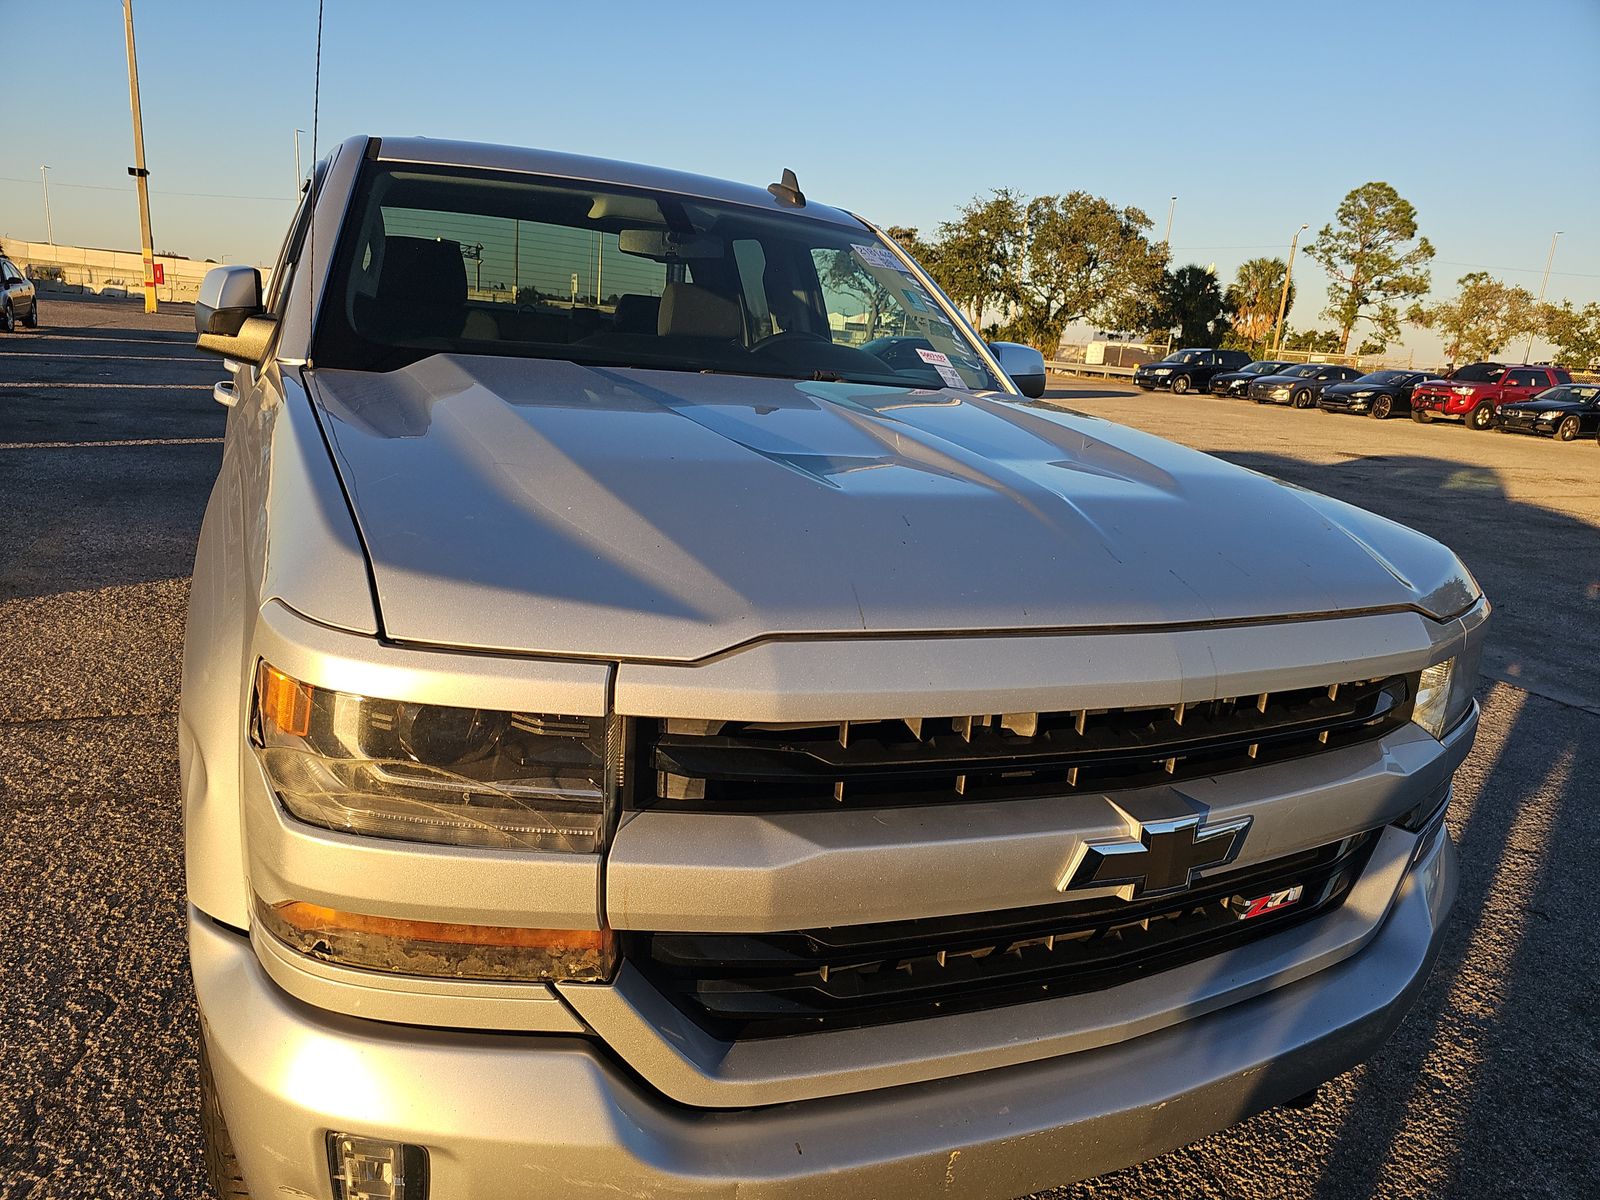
(107,272)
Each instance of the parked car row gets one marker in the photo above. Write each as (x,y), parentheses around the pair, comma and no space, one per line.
(1483,395)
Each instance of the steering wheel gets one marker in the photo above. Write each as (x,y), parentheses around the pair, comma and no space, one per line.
(787,335)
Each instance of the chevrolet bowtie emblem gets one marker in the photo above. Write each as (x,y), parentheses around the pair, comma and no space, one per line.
(1164,857)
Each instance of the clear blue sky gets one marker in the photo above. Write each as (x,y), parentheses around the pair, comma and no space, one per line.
(1257,115)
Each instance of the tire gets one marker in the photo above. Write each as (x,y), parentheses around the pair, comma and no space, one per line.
(1481,418)
(1301,399)
(1382,406)
(32,319)
(1421,416)
(1567,431)
(222,1166)
(8,320)
(1180,385)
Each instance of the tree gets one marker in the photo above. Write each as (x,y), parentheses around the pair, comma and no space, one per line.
(1575,332)
(1374,257)
(1317,341)
(1483,317)
(1045,262)
(1252,298)
(1190,301)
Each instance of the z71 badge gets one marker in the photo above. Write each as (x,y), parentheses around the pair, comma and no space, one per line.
(1246,907)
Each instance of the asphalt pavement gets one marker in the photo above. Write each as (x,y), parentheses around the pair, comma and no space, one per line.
(109,440)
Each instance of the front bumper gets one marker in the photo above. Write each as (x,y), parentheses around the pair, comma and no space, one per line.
(542,1115)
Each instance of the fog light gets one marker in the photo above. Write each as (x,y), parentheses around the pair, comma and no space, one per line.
(365,1168)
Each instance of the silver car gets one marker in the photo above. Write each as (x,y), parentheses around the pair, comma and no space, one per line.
(662,713)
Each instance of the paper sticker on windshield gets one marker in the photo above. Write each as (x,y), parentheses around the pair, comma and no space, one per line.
(878,256)
(951,377)
(917,301)
(936,358)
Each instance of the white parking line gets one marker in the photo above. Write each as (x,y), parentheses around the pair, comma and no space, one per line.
(166,358)
(211,441)
(152,387)
(82,337)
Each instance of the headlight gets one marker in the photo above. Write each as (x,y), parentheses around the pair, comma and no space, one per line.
(1360,395)
(1551,416)
(1161,371)
(1444,692)
(432,773)
(1462,391)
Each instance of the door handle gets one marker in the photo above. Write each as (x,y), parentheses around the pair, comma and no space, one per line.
(224,393)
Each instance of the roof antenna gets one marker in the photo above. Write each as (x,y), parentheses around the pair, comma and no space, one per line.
(788,190)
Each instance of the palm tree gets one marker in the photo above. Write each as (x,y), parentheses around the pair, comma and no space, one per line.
(1191,302)
(1253,298)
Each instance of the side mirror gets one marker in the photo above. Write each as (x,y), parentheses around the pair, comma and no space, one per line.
(1024,364)
(228,314)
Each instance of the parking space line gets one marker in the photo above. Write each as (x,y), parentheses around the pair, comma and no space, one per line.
(187,343)
(194,441)
(151,387)
(197,358)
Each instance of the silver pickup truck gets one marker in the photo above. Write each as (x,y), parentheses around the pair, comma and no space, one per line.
(663,714)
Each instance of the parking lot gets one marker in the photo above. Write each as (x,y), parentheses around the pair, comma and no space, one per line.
(108,443)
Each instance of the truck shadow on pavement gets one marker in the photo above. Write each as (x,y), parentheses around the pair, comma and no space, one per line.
(1480,1090)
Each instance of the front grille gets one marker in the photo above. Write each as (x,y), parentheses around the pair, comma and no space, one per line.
(769,985)
(737,766)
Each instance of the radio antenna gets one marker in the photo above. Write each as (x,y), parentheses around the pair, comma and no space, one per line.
(316,108)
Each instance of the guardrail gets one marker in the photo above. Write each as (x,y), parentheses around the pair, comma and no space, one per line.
(1094,370)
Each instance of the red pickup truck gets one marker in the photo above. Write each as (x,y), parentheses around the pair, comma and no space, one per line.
(1471,393)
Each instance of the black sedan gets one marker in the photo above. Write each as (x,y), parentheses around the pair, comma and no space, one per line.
(1236,384)
(1561,412)
(1380,394)
(1301,384)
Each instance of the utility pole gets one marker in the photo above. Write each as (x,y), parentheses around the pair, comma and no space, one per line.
(298,177)
(1283,298)
(140,175)
(49,226)
(1543,283)
(1166,241)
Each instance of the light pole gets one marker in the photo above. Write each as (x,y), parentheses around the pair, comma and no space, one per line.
(49,227)
(298,177)
(140,175)
(1283,297)
(1167,240)
(1543,283)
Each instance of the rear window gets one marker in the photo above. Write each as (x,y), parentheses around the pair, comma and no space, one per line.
(450,260)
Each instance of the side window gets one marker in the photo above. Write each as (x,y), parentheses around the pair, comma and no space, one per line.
(1527,379)
(860,307)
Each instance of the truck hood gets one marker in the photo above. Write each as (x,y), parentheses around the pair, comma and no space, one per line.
(546,507)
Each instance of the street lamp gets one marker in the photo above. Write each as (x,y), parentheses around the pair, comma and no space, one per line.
(1283,297)
(298,178)
(1543,283)
(1167,241)
(49,227)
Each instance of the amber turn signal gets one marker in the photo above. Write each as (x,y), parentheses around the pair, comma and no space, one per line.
(285,703)
(438,948)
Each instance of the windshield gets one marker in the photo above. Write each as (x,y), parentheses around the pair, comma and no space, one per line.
(1582,393)
(1262,368)
(1186,358)
(1301,370)
(1384,377)
(446,260)
(1479,373)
